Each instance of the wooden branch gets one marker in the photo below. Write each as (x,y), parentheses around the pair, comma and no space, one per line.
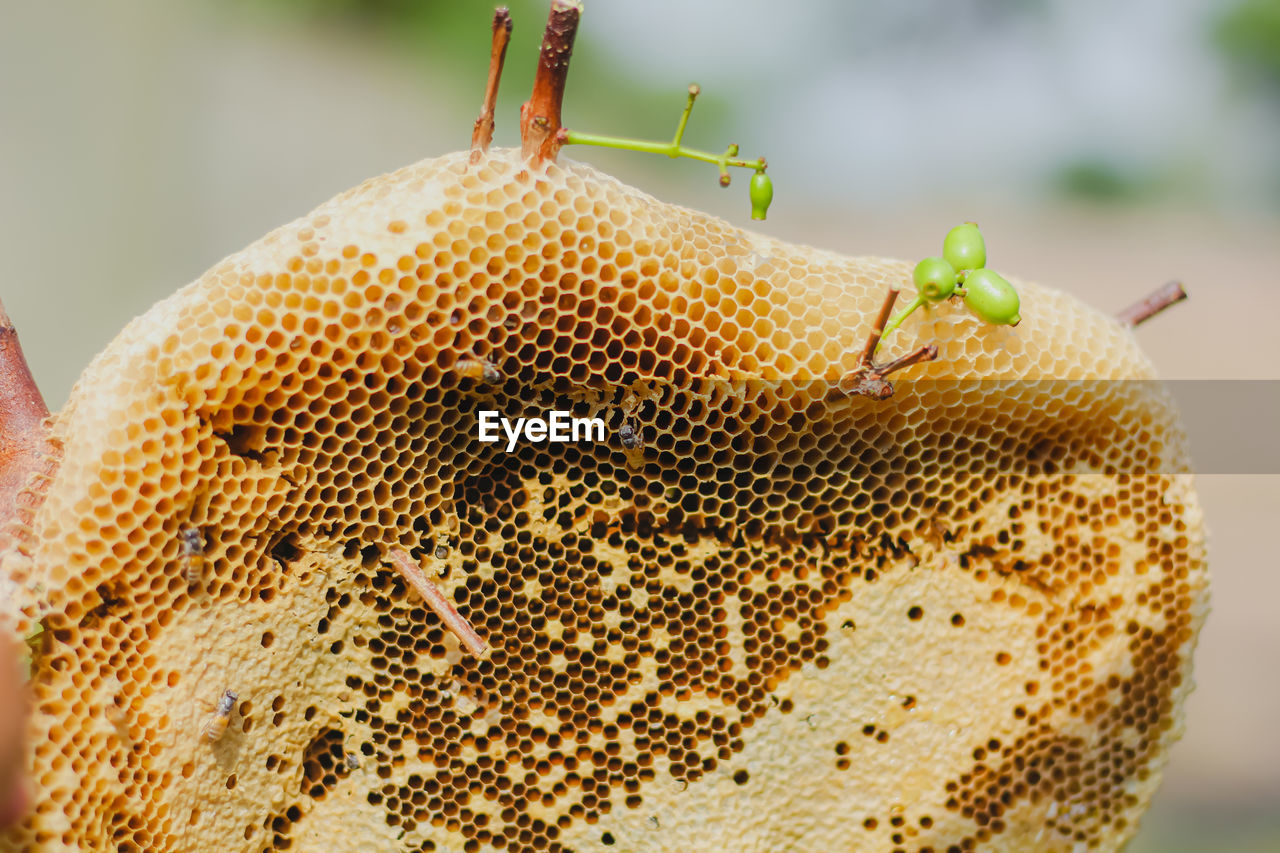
(870,379)
(435,599)
(877,328)
(23,440)
(482,135)
(540,115)
(1149,306)
(23,431)
(15,792)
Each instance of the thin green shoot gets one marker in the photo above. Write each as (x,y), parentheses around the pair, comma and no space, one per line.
(673,149)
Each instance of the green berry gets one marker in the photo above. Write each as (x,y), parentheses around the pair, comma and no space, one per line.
(935,279)
(964,248)
(761,194)
(991,298)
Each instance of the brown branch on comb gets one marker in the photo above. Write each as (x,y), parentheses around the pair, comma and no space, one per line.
(23,433)
(24,442)
(540,115)
(870,379)
(482,135)
(435,599)
(1152,304)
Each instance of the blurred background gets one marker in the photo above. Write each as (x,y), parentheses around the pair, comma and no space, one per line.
(1104,147)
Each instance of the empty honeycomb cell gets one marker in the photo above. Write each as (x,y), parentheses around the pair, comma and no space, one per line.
(713,641)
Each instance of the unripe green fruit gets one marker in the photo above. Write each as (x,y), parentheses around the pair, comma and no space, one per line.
(935,279)
(991,298)
(964,247)
(761,194)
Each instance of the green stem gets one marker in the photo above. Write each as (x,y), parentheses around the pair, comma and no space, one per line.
(671,149)
(897,321)
(684,116)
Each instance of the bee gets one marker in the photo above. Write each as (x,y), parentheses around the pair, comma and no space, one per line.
(479,368)
(214,729)
(191,550)
(629,434)
(630,437)
(352,760)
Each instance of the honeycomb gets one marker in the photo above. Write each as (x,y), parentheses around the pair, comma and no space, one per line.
(776,618)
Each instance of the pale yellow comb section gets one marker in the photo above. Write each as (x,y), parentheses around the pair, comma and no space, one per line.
(959,618)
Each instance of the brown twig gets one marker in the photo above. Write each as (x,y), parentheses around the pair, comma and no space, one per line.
(482,135)
(435,599)
(540,115)
(23,433)
(877,328)
(1152,304)
(870,379)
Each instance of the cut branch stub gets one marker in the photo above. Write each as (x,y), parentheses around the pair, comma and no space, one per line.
(540,115)
(482,135)
(23,432)
(1152,304)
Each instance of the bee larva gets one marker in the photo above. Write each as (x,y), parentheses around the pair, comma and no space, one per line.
(214,729)
(478,368)
(191,550)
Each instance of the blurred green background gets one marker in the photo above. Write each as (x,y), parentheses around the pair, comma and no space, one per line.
(1105,148)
